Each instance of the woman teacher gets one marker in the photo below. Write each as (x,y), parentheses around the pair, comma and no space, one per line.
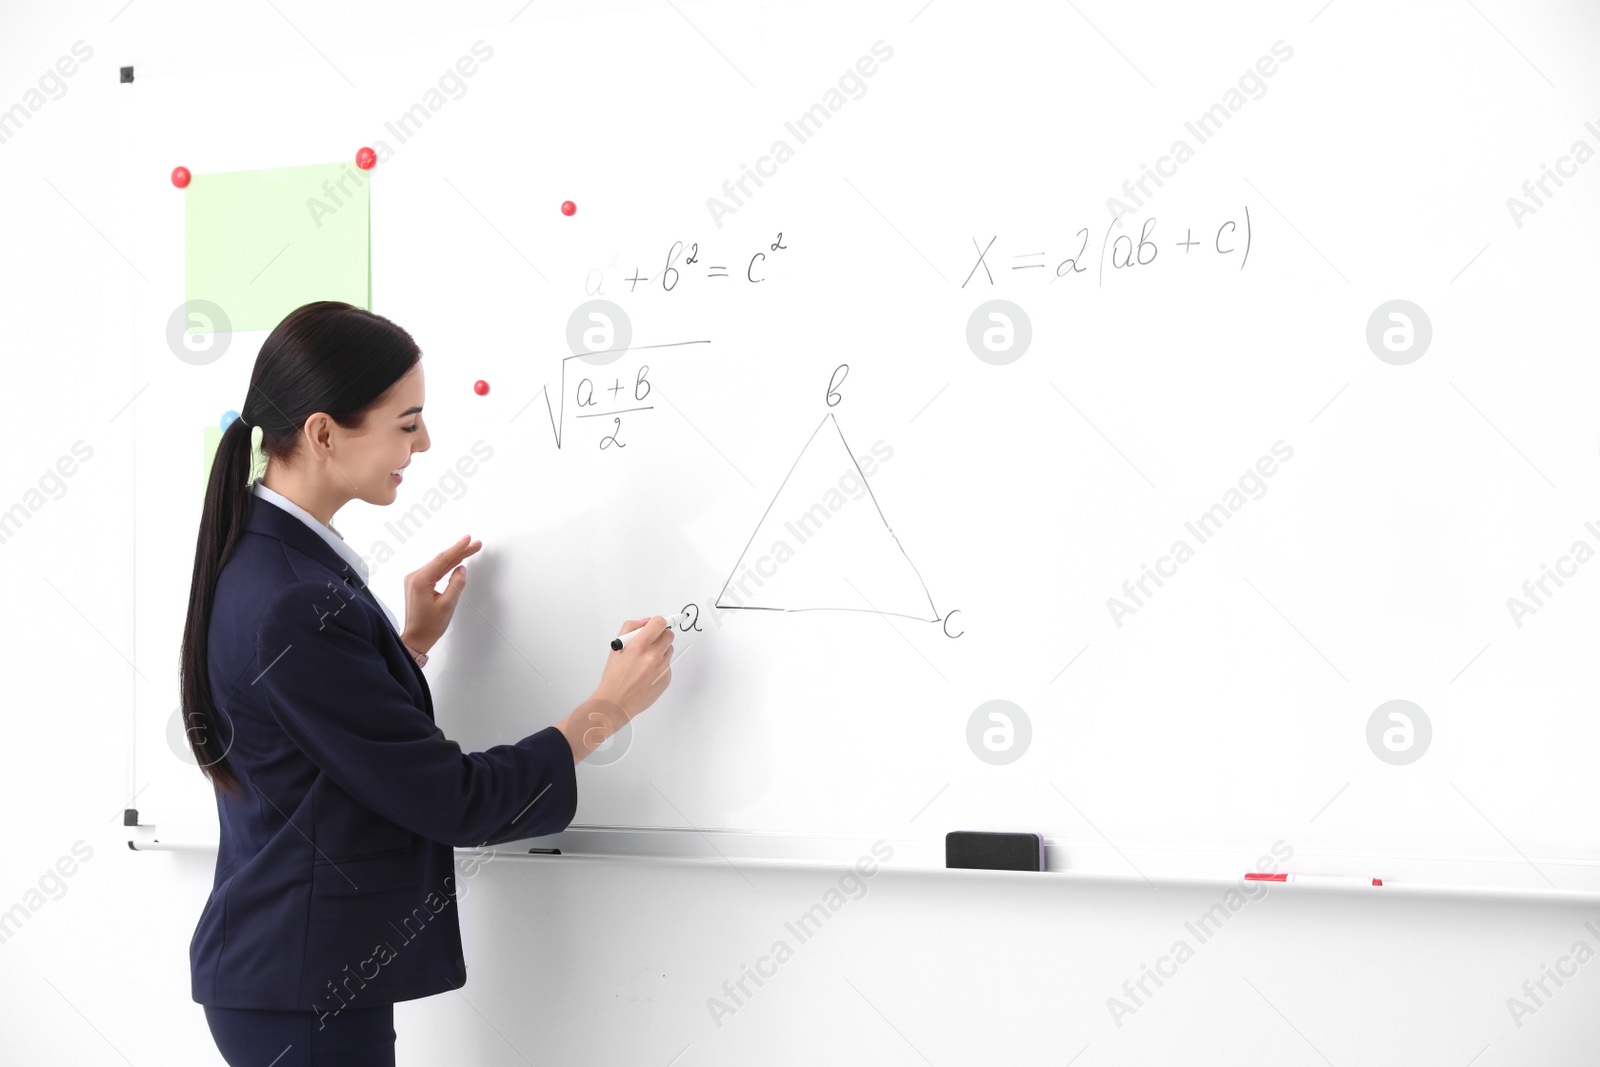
(338,798)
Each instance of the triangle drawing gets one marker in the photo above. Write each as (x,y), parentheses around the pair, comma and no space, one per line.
(823,544)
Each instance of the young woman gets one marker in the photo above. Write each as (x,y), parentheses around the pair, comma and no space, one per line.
(338,797)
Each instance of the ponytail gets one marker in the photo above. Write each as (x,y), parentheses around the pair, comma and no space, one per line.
(227,508)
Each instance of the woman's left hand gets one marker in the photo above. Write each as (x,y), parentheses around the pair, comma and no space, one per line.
(428,612)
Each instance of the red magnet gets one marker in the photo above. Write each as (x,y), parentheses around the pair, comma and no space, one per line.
(568,207)
(480,387)
(180,176)
(365,158)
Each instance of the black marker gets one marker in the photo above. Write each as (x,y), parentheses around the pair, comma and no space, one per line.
(619,643)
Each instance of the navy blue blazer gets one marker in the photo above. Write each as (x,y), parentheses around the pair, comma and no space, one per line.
(335,879)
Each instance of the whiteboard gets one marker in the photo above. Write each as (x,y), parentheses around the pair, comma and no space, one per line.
(1187,383)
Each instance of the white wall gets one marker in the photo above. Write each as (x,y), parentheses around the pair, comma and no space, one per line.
(601,962)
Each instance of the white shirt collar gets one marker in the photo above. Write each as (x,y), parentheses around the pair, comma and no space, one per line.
(333,537)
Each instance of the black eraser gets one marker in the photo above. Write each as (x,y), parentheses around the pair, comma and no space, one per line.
(979,850)
(130,816)
(127,75)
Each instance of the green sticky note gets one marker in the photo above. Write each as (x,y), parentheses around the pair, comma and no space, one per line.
(259,243)
(209,441)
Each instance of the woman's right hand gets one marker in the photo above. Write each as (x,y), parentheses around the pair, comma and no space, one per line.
(631,681)
(634,677)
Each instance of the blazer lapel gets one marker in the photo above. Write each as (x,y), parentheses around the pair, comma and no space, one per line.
(269,519)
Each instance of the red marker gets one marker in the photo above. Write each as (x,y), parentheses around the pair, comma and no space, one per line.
(1313,879)
(180,176)
(365,158)
(568,207)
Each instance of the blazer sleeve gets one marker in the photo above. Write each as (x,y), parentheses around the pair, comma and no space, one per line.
(331,691)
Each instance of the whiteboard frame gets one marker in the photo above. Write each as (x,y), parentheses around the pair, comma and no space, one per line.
(1071,862)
